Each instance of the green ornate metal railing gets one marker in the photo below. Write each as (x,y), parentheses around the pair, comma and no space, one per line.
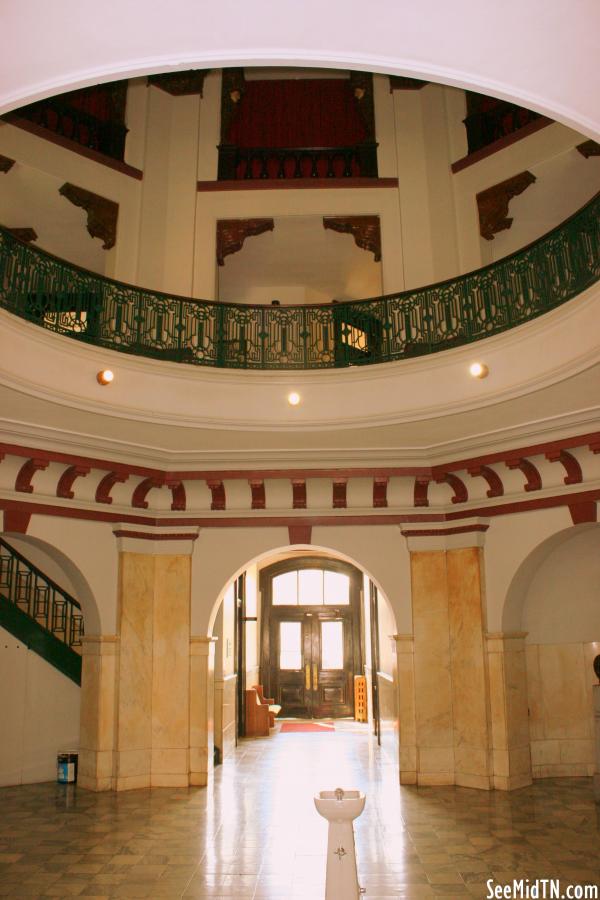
(37,611)
(71,301)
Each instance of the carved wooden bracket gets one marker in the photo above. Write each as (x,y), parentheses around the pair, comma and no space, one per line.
(231,234)
(493,204)
(180,84)
(106,484)
(380,485)
(339,493)
(102,214)
(364,229)
(27,235)
(299,495)
(401,83)
(589,148)
(6,163)
(257,487)
(217,489)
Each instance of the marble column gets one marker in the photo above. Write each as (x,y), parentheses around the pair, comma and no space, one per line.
(153,676)
(507,667)
(451,691)
(201,736)
(97,731)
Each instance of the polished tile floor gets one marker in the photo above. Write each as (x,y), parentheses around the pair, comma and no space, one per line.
(255,833)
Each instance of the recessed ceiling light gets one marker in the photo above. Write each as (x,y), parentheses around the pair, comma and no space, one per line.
(105,376)
(293,398)
(478,370)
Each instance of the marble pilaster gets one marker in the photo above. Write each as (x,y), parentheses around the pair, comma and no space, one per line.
(98,678)
(201,722)
(510,738)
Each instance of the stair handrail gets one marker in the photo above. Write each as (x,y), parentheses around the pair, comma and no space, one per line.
(73,621)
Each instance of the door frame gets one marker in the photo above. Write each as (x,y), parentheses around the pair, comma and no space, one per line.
(309,562)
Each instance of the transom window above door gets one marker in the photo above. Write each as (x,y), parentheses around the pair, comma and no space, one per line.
(311,587)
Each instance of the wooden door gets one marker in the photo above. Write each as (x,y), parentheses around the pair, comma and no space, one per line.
(310,651)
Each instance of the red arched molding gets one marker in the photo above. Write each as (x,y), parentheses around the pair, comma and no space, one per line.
(299,496)
(257,486)
(26,473)
(495,486)
(339,493)
(138,499)
(534,479)
(67,480)
(572,467)
(380,492)
(178,497)
(106,485)
(457,484)
(217,489)
(421,488)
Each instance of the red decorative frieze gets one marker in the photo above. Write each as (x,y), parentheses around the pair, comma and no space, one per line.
(380,486)
(495,486)
(583,512)
(460,494)
(493,204)
(178,497)
(180,84)
(572,468)
(402,83)
(16,521)
(64,488)
(298,494)
(138,499)
(588,148)
(231,234)
(102,214)
(26,473)
(365,230)
(257,487)
(421,489)
(217,489)
(6,163)
(339,493)
(106,484)
(533,477)
(27,235)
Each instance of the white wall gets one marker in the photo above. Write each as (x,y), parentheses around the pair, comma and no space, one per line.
(39,712)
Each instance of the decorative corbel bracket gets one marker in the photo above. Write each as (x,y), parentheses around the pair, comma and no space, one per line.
(27,235)
(231,234)
(102,214)
(299,494)
(493,204)
(588,148)
(339,493)
(365,230)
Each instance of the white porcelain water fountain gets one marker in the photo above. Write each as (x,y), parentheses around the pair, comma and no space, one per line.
(340,808)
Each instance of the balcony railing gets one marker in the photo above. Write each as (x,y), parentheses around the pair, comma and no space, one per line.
(486,126)
(239,163)
(87,307)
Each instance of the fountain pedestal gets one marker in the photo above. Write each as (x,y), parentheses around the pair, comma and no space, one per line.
(340,808)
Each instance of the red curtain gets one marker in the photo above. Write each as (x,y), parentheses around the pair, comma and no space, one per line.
(297,113)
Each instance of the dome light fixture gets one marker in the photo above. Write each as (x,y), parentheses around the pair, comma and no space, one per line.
(293,398)
(105,377)
(479,370)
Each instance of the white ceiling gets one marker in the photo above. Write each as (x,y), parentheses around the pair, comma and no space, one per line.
(304,261)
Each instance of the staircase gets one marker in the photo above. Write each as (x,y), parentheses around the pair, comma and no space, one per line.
(36,611)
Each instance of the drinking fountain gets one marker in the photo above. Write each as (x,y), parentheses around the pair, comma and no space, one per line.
(340,808)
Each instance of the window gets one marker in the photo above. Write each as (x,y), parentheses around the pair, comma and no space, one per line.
(311,587)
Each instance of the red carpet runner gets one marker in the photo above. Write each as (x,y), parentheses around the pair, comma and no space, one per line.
(321,727)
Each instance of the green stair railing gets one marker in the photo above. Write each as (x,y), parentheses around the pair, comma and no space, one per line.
(40,613)
(71,301)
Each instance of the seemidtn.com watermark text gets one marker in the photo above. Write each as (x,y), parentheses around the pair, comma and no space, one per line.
(540,889)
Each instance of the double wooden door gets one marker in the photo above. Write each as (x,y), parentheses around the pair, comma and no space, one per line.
(312,662)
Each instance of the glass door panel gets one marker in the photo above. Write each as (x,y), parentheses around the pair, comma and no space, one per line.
(290,646)
(332,645)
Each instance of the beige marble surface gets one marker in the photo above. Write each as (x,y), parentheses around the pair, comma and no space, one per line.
(511,758)
(99,661)
(201,741)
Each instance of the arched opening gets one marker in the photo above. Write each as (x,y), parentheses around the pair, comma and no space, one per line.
(315,630)
(554,603)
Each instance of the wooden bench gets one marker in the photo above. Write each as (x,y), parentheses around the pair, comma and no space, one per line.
(274,708)
(257,715)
